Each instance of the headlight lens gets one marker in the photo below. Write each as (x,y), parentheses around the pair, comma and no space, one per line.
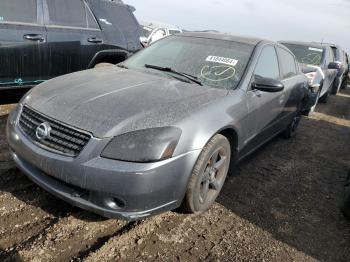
(143,146)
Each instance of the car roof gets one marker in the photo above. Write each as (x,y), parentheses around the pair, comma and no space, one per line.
(309,44)
(224,36)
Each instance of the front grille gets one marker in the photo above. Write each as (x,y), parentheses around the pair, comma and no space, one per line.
(62,139)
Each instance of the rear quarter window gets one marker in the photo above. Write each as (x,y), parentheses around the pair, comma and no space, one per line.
(18,11)
(71,13)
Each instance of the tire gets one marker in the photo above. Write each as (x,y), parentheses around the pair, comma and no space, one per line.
(207,180)
(344,84)
(291,130)
(338,82)
(346,202)
(324,99)
(99,65)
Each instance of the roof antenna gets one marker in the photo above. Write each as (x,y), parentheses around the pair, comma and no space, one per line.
(322,40)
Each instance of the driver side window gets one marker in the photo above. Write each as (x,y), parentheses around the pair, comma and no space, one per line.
(267,66)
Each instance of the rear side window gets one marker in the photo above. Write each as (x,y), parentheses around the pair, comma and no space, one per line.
(287,62)
(267,66)
(71,13)
(18,11)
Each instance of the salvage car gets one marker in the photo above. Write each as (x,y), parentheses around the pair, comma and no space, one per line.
(43,39)
(160,130)
(318,63)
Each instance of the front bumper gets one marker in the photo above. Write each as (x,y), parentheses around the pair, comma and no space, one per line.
(111,188)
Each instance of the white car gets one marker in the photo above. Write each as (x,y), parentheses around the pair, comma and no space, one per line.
(154,31)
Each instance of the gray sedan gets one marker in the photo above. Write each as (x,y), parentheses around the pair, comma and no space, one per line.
(162,129)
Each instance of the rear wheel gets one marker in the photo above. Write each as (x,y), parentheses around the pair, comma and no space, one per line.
(291,130)
(208,175)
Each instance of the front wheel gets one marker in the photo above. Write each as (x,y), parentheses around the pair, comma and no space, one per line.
(208,175)
(324,99)
(312,109)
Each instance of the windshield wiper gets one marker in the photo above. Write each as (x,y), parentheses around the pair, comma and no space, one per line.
(168,69)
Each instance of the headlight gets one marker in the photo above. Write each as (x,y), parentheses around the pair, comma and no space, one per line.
(143,146)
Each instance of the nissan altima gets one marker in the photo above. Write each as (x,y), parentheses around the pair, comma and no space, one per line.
(161,130)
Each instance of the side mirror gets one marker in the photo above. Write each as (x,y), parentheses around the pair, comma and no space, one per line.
(267,85)
(333,65)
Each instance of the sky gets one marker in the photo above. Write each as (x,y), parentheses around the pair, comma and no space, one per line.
(299,20)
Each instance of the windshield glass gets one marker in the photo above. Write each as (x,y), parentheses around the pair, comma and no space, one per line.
(216,63)
(307,54)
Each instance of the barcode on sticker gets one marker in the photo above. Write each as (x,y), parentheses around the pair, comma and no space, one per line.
(222,60)
(315,49)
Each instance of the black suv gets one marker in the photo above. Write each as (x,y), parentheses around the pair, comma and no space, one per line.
(42,39)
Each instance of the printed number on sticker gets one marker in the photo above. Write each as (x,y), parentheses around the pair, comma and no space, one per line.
(222,60)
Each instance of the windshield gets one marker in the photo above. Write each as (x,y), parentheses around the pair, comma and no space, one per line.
(307,54)
(216,63)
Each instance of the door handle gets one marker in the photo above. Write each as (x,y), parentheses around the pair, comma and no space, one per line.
(95,40)
(34,37)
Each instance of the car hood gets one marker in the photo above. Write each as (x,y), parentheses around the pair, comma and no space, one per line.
(111,101)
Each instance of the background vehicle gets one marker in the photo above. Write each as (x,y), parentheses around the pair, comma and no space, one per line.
(154,31)
(42,39)
(318,63)
(136,146)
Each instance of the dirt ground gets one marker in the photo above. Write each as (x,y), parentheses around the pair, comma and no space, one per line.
(282,204)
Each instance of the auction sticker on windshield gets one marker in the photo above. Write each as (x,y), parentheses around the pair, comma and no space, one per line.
(222,60)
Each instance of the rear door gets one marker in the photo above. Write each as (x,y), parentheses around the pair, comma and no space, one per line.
(22,44)
(293,86)
(73,35)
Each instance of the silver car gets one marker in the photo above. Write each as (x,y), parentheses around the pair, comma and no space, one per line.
(318,63)
(162,129)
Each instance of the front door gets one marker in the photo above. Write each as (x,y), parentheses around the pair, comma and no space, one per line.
(265,108)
